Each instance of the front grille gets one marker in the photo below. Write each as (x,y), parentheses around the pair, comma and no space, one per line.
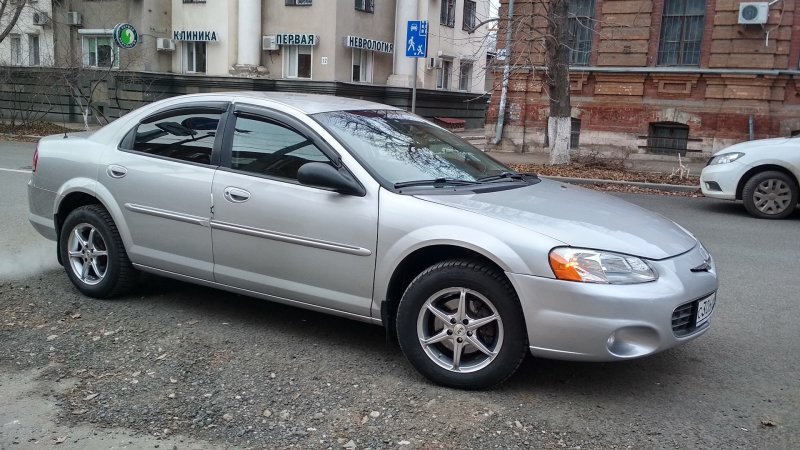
(683,318)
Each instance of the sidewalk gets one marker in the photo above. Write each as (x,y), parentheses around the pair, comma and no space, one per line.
(637,162)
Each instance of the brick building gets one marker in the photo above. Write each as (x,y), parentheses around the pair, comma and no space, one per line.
(657,76)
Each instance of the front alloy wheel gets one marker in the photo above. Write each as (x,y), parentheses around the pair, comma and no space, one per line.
(460,330)
(460,324)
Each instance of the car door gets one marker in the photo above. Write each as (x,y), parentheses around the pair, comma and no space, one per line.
(161,179)
(273,235)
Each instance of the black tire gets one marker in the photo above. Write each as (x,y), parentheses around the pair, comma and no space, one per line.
(111,275)
(770,195)
(440,286)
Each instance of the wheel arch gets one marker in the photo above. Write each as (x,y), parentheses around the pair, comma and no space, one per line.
(762,168)
(82,194)
(412,265)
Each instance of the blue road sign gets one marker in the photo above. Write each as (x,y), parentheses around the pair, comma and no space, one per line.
(417,39)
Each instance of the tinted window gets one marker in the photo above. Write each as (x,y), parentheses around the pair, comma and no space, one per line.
(268,148)
(185,136)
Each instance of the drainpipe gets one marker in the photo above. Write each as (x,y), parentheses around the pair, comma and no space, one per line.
(751,127)
(501,114)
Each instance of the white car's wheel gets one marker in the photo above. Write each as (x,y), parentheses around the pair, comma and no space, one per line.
(461,325)
(770,195)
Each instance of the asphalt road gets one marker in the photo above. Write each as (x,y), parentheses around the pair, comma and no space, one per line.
(321,377)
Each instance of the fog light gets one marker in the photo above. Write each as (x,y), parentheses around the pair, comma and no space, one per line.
(632,342)
(713,186)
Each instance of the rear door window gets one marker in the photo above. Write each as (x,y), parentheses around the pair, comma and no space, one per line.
(185,135)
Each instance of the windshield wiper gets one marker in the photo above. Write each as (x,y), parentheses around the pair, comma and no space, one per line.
(502,176)
(434,182)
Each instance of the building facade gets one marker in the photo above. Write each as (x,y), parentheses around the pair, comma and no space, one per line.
(668,77)
(354,41)
(30,42)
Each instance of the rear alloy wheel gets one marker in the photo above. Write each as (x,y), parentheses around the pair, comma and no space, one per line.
(770,195)
(93,254)
(460,324)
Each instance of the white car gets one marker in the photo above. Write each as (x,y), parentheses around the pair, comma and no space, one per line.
(763,174)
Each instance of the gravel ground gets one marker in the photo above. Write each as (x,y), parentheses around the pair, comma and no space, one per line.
(176,359)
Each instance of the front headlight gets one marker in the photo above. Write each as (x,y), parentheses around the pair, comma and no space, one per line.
(592,266)
(725,158)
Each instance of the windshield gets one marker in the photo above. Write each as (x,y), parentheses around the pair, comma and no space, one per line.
(402,148)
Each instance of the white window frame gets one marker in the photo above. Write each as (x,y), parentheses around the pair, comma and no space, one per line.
(444,77)
(15,43)
(462,78)
(34,51)
(366,59)
(88,39)
(293,51)
(190,47)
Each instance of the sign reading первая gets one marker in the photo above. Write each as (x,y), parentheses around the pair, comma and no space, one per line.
(194,35)
(296,39)
(368,44)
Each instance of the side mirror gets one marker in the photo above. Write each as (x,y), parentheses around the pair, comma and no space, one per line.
(325,176)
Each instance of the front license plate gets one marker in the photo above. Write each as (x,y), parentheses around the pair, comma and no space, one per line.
(704,309)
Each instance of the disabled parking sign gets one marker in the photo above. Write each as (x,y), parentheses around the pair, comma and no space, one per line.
(417,39)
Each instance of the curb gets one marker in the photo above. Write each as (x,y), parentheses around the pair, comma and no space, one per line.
(654,186)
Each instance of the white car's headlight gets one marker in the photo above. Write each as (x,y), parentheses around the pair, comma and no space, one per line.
(725,158)
(593,266)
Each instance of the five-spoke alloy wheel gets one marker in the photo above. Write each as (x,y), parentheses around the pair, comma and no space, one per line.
(460,324)
(93,254)
(770,195)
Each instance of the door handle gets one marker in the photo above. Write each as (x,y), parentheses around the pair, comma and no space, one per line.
(236,195)
(116,171)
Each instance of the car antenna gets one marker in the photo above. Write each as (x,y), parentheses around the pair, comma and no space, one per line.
(64,121)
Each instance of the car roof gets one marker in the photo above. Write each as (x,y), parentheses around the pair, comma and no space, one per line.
(312,103)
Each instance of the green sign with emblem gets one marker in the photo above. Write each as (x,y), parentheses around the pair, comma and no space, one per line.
(125,35)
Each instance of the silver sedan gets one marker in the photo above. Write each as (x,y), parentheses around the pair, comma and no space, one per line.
(366,211)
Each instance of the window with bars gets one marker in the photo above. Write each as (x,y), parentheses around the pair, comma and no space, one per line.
(681,32)
(668,138)
(580,27)
(365,5)
(574,133)
(447,17)
(470,15)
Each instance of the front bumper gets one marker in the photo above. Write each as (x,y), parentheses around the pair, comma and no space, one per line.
(600,322)
(721,180)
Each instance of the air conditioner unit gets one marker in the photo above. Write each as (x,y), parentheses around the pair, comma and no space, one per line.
(41,19)
(165,45)
(433,63)
(74,19)
(753,13)
(269,43)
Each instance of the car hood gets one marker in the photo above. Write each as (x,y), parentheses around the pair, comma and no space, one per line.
(578,217)
(760,146)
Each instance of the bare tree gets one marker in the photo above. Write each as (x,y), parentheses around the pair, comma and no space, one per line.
(9,13)
(539,47)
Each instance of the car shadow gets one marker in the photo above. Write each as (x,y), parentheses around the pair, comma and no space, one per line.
(736,209)
(341,337)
